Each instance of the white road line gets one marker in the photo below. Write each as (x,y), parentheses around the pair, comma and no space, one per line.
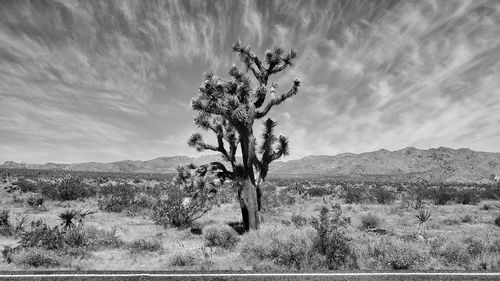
(249,274)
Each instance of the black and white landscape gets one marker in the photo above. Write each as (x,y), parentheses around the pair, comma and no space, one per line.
(250,135)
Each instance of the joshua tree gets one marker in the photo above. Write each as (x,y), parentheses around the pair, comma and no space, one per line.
(229,108)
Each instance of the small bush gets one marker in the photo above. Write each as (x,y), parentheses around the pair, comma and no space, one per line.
(331,240)
(69,189)
(4,218)
(454,253)
(220,236)
(285,199)
(497,221)
(466,218)
(116,198)
(238,226)
(42,236)
(100,239)
(487,207)
(317,192)
(196,229)
(442,195)
(290,247)
(35,257)
(184,258)
(451,221)
(75,238)
(185,200)
(5,227)
(370,221)
(468,197)
(298,220)
(26,186)
(353,194)
(382,195)
(143,245)
(397,254)
(476,247)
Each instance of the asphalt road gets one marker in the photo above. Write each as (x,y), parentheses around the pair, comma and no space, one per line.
(220,276)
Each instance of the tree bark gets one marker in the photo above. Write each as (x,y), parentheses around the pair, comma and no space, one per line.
(249,205)
(248,190)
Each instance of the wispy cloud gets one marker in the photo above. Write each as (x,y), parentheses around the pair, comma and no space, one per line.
(108,80)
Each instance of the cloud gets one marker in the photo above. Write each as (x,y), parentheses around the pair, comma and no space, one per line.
(111,80)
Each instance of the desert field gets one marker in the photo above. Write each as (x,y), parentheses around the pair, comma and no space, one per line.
(107,222)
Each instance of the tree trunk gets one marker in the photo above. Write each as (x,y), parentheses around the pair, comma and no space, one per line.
(249,206)
(248,190)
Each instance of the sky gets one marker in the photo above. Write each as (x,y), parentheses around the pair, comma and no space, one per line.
(113,80)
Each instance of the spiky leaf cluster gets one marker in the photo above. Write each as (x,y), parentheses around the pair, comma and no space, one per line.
(272,147)
(229,107)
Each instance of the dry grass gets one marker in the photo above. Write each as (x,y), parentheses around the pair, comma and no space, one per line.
(448,240)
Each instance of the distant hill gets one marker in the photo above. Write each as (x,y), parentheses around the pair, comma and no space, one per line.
(440,164)
(436,165)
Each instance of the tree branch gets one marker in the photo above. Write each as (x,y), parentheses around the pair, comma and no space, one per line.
(276,101)
(250,59)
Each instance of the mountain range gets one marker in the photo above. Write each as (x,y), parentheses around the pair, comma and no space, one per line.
(435,164)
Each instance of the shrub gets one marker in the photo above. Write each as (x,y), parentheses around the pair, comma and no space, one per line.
(298,220)
(196,229)
(69,189)
(75,238)
(487,207)
(317,191)
(272,200)
(34,257)
(173,211)
(451,221)
(468,196)
(382,195)
(238,226)
(475,246)
(331,240)
(454,253)
(353,194)
(442,195)
(100,239)
(370,221)
(397,254)
(4,218)
(284,246)
(116,198)
(284,198)
(420,193)
(184,258)
(26,186)
(466,218)
(497,221)
(143,245)
(42,236)
(5,227)
(220,236)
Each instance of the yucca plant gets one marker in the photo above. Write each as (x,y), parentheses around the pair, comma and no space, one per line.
(71,217)
(423,216)
(35,201)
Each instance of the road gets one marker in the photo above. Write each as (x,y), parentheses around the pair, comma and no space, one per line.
(220,276)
